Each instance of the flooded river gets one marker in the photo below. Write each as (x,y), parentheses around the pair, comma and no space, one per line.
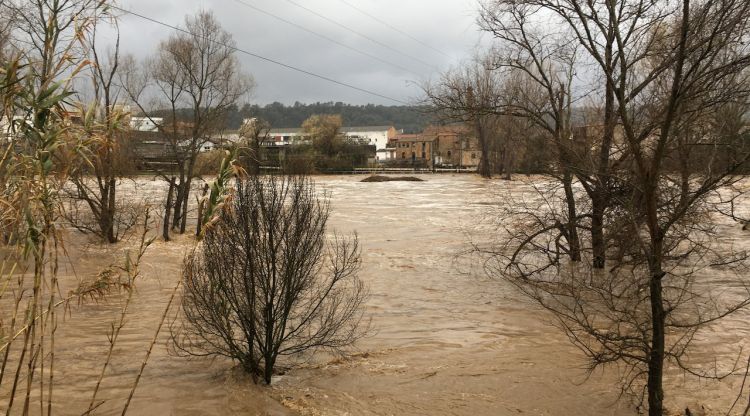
(446,339)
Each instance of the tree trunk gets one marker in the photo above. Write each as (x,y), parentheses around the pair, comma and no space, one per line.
(185,200)
(201,205)
(177,206)
(601,185)
(656,355)
(103,215)
(268,370)
(572,227)
(507,171)
(167,208)
(180,197)
(111,211)
(598,245)
(484,168)
(270,354)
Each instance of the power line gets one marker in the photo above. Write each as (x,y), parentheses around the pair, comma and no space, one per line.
(383,22)
(361,52)
(261,57)
(347,28)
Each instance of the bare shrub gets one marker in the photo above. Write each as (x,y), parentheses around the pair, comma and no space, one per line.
(267,282)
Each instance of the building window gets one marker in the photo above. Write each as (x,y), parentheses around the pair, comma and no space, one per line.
(403,155)
(449,153)
(473,155)
(424,155)
(413,156)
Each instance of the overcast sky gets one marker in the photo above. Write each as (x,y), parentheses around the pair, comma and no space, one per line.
(446,25)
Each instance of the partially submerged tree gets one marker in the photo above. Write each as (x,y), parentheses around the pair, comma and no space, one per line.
(252,132)
(268,282)
(104,158)
(548,62)
(471,95)
(194,72)
(651,177)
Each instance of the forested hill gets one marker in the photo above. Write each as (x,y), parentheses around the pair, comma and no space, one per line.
(409,118)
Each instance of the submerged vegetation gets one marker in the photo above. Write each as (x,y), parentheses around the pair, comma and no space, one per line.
(62,161)
(615,242)
(266,282)
(618,242)
(40,149)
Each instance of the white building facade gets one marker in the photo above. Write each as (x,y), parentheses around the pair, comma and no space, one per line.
(146,123)
(374,135)
(377,136)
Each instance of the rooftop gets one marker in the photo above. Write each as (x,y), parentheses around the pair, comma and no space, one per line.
(417,139)
(446,130)
(357,129)
(362,129)
(293,130)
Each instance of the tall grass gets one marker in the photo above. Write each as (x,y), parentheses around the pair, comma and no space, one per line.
(36,88)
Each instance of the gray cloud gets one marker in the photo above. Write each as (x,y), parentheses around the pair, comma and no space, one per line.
(446,25)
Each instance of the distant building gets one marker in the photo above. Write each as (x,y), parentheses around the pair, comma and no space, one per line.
(286,136)
(454,146)
(401,138)
(438,146)
(377,136)
(384,155)
(414,149)
(146,123)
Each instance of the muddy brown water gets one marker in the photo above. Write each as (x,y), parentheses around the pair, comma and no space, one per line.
(446,339)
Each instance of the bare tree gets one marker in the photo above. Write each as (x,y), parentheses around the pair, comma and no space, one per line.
(267,282)
(96,171)
(541,67)
(470,95)
(252,133)
(526,44)
(197,79)
(519,87)
(666,69)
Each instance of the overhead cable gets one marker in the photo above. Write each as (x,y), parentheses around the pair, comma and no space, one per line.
(361,52)
(360,34)
(263,58)
(395,29)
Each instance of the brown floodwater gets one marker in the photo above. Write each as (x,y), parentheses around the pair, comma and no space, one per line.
(446,339)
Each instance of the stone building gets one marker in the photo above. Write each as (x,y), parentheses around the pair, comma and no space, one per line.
(451,146)
(414,149)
